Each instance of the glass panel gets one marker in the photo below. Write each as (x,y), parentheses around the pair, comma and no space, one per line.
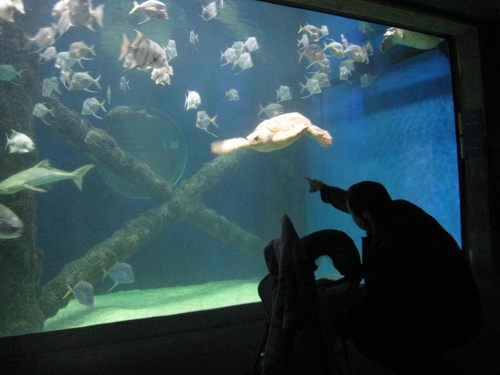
(198,242)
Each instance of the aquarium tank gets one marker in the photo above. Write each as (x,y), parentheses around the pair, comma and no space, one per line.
(153,147)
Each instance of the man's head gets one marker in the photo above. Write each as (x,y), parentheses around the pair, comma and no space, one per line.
(366,197)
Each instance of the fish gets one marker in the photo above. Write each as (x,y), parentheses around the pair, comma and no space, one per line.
(19,143)
(322,65)
(344,73)
(238,47)
(408,38)
(145,52)
(41,110)
(312,85)
(7,8)
(244,62)
(304,41)
(312,52)
(232,95)
(193,100)
(365,28)
(203,121)
(210,11)
(91,106)
(219,3)
(64,57)
(124,84)
(45,37)
(345,42)
(322,79)
(335,48)
(49,86)
(80,49)
(83,292)
(84,14)
(283,93)
(41,174)
(151,9)
(93,137)
(121,273)
(356,53)
(193,38)
(64,22)
(82,81)
(271,110)
(50,53)
(162,75)
(108,94)
(171,50)
(10,224)
(312,32)
(349,64)
(8,73)
(367,79)
(230,55)
(128,61)
(251,44)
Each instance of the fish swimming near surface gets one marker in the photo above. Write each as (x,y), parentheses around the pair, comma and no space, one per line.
(83,292)
(210,11)
(19,143)
(151,9)
(203,121)
(41,174)
(10,224)
(7,8)
(193,100)
(121,273)
(8,73)
(145,52)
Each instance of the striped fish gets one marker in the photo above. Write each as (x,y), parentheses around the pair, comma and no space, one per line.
(145,52)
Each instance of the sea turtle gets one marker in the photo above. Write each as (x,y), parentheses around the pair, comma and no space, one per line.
(408,38)
(275,133)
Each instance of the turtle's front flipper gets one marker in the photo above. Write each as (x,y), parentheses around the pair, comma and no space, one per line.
(229,145)
(322,136)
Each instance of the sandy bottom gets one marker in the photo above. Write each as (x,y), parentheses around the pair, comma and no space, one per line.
(137,304)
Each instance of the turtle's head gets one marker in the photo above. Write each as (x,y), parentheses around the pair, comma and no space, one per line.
(258,138)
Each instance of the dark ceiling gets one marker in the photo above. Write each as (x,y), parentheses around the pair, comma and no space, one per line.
(476,9)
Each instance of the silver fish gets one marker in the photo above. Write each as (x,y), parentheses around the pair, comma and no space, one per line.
(251,44)
(50,53)
(210,11)
(41,110)
(46,36)
(41,174)
(356,53)
(151,9)
(193,38)
(232,95)
(145,52)
(108,94)
(244,62)
(91,106)
(193,100)
(283,93)
(19,143)
(335,48)
(7,9)
(312,85)
(82,81)
(93,137)
(344,73)
(171,49)
(271,110)
(10,224)
(83,13)
(67,59)
(203,121)
(304,41)
(230,55)
(83,292)
(162,75)
(8,73)
(124,84)
(80,49)
(323,79)
(64,22)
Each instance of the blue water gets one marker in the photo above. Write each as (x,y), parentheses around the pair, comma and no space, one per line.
(399,131)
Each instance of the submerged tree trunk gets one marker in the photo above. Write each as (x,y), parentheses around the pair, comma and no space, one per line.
(20,260)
